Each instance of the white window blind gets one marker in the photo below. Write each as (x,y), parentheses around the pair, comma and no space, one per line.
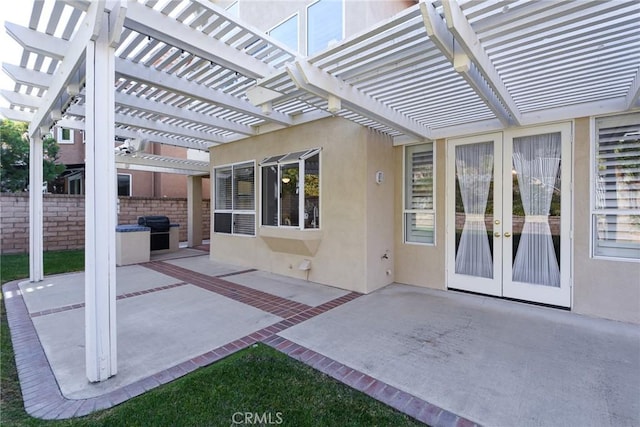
(419,209)
(616,210)
(235,199)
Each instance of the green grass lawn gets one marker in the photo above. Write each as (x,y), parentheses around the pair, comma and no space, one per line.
(257,380)
(16,266)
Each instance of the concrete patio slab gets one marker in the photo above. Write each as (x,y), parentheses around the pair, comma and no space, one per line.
(156,331)
(496,362)
(203,265)
(298,290)
(68,289)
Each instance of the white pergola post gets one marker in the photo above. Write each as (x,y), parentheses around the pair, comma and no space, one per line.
(36,268)
(100,210)
(194,210)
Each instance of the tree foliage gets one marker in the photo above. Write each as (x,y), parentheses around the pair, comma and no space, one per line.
(14,157)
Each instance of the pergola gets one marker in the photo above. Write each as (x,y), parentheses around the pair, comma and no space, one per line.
(187,73)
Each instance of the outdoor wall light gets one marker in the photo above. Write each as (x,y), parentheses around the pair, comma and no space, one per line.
(286,180)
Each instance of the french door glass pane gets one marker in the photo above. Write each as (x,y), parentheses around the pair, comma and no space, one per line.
(536,209)
(474,209)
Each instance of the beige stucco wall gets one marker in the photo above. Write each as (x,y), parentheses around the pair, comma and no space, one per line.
(602,288)
(379,209)
(350,242)
(417,264)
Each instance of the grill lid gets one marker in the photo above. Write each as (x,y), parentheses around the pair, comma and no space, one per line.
(157,223)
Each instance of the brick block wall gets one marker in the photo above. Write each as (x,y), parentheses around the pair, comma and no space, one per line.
(63,222)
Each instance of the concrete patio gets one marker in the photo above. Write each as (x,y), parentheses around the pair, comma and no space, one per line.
(445,358)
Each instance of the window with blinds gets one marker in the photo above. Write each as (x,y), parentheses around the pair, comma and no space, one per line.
(616,186)
(234,211)
(419,204)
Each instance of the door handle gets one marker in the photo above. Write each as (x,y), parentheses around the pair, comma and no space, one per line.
(496,234)
(507,234)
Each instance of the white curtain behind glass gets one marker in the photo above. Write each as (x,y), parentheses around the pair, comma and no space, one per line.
(536,160)
(474,171)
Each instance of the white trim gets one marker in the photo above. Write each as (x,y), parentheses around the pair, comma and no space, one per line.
(611,120)
(60,138)
(130,184)
(300,161)
(566,261)
(234,3)
(254,212)
(36,266)
(404,195)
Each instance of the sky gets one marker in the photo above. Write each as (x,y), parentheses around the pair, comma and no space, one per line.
(18,12)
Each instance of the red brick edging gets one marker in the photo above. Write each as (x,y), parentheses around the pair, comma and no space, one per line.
(43,399)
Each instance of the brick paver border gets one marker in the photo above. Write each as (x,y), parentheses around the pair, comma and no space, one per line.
(118,297)
(385,393)
(43,399)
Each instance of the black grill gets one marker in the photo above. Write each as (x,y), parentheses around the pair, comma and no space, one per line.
(159,226)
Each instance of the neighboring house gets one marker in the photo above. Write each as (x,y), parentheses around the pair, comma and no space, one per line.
(131,183)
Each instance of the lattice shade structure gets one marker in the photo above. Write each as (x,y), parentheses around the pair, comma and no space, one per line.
(437,69)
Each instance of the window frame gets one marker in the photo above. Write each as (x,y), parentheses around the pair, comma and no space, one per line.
(231,5)
(294,15)
(278,161)
(342,29)
(406,211)
(130,185)
(593,173)
(61,140)
(233,211)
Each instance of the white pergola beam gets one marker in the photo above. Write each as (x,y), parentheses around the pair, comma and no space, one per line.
(634,92)
(52,46)
(86,33)
(100,205)
(460,27)
(314,80)
(24,116)
(36,235)
(27,77)
(143,104)
(153,125)
(152,23)
(196,91)
(442,38)
(163,139)
(20,99)
(16,115)
(32,42)
(163,163)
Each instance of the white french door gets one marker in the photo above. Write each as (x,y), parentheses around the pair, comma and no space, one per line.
(508,214)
